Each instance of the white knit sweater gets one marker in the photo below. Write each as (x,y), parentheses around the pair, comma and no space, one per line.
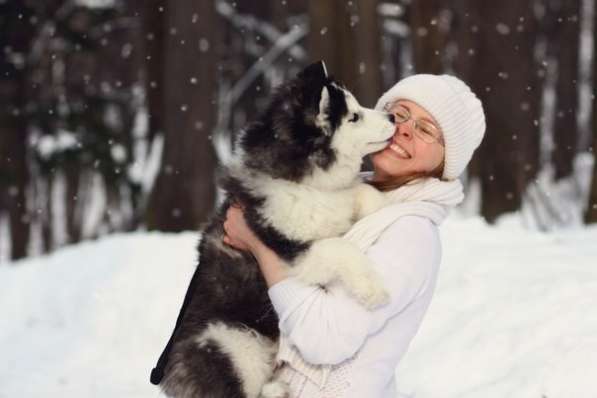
(334,348)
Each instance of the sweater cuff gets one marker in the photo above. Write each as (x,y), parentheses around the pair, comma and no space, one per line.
(287,294)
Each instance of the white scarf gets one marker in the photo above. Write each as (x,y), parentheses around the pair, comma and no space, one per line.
(428,197)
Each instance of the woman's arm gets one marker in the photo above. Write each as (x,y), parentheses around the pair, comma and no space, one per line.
(240,236)
(329,326)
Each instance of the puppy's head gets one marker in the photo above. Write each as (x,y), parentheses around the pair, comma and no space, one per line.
(312,127)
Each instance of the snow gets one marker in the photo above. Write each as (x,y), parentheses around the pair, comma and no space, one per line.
(96,3)
(90,320)
(513,315)
(48,145)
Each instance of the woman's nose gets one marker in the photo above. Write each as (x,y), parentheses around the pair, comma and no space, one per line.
(404,129)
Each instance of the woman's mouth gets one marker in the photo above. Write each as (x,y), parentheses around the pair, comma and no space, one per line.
(398,151)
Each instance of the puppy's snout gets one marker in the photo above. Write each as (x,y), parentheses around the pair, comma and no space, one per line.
(392,118)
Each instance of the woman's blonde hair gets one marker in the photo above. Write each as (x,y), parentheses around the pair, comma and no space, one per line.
(397,182)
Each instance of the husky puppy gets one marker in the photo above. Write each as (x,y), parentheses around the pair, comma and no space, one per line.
(295,171)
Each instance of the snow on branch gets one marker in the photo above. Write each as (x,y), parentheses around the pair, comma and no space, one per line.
(266,29)
(265,62)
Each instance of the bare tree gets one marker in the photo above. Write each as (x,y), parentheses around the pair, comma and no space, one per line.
(561,25)
(15,39)
(152,17)
(591,213)
(184,192)
(505,79)
(463,38)
(428,35)
(347,37)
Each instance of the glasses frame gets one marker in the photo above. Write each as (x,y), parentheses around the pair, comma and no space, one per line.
(427,138)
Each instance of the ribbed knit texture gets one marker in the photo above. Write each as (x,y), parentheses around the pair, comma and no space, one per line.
(453,105)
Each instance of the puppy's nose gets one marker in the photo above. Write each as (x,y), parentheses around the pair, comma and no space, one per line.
(392,118)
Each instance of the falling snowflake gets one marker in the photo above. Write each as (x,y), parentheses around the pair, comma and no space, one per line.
(502,28)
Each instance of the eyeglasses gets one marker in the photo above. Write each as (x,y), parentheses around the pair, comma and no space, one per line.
(425,130)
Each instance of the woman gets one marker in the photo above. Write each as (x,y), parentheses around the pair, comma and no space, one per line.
(330,345)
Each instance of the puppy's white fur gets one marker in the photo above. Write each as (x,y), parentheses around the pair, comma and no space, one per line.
(252,354)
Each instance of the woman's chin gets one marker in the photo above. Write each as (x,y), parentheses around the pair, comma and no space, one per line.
(385,163)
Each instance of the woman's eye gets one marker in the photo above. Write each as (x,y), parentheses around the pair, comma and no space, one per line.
(354,118)
(427,131)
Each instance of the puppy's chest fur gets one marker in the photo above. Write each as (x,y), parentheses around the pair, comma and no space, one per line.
(305,213)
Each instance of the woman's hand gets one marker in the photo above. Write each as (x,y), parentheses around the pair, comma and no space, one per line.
(238,234)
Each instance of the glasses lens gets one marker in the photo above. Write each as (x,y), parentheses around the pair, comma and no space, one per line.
(427,132)
(401,114)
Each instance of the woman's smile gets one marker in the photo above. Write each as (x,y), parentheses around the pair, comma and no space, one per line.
(397,150)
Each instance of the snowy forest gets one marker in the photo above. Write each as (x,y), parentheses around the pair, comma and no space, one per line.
(115,113)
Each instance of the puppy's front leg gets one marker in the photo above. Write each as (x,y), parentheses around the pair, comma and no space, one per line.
(338,260)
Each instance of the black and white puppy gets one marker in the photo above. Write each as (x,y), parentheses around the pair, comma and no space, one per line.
(295,171)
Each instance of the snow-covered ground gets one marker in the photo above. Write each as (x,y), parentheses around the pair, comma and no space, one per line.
(514,315)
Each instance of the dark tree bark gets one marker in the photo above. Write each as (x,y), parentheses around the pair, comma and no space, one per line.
(72,204)
(464,36)
(428,37)
(506,82)
(346,36)
(184,192)
(152,17)
(15,176)
(591,213)
(562,26)
(15,39)
(366,34)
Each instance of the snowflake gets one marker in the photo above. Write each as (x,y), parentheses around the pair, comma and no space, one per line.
(502,28)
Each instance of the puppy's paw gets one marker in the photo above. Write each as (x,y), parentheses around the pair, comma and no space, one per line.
(369,291)
(274,389)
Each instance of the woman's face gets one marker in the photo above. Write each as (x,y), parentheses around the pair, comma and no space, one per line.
(408,153)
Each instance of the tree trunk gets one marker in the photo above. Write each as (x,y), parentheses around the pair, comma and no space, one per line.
(153,25)
(507,85)
(15,39)
(13,144)
(347,38)
(72,180)
(464,36)
(428,37)
(591,213)
(184,192)
(563,35)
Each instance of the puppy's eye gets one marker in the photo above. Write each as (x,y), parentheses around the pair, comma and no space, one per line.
(354,118)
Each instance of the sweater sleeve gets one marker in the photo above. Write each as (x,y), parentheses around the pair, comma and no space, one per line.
(329,326)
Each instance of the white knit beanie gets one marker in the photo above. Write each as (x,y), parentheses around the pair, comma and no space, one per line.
(454,106)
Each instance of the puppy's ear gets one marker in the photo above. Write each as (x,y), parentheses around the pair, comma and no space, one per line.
(322,119)
(324,101)
(314,72)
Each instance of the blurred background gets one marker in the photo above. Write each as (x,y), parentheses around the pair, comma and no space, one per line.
(114,114)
